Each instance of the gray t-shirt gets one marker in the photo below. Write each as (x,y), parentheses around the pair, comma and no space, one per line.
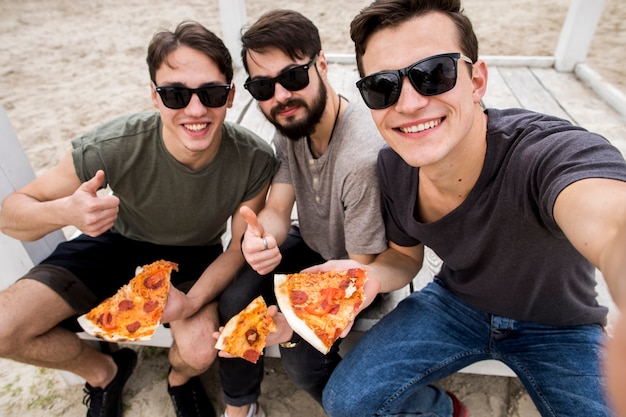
(161,200)
(502,250)
(337,195)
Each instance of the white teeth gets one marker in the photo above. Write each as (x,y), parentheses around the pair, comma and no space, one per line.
(196,127)
(421,127)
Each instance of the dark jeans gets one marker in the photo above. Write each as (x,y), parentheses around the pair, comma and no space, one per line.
(307,367)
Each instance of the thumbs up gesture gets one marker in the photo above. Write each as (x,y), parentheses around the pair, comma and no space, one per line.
(259,248)
(93,214)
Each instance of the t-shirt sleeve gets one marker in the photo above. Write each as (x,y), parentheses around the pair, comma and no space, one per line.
(281,145)
(570,156)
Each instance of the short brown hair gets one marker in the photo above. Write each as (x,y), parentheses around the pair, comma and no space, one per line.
(195,36)
(382,14)
(286,30)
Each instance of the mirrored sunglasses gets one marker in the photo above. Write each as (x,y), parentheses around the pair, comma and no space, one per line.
(429,76)
(293,79)
(214,95)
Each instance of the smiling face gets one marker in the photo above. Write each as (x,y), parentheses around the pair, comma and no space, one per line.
(191,134)
(427,130)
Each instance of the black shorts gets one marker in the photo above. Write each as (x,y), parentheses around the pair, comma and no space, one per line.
(87,270)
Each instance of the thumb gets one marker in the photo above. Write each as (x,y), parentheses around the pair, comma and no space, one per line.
(251,218)
(94,184)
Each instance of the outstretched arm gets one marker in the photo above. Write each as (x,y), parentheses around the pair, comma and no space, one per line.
(592,213)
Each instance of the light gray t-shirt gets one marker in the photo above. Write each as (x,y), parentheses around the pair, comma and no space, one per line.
(337,195)
(161,200)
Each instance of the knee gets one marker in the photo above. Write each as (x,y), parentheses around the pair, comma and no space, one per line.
(338,405)
(9,336)
(198,356)
(343,398)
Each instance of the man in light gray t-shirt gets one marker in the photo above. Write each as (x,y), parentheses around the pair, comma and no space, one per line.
(328,149)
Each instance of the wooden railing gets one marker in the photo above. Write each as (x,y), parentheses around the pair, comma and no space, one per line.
(574,41)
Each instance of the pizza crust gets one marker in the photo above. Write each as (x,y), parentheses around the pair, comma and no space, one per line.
(298,326)
(95,331)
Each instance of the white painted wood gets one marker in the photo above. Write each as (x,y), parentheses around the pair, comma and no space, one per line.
(577,33)
(233,17)
(531,94)
(15,172)
(610,94)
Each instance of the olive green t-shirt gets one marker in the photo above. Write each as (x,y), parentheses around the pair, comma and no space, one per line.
(161,200)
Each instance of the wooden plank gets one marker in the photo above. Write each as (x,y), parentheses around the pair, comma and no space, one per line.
(15,172)
(584,106)
(530,92)
(254,120)
(498,94)
(242,100)
(343,78)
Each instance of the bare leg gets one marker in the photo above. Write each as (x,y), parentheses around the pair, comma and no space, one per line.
(29,333)
(193,350)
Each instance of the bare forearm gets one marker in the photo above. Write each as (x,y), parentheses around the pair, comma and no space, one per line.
(27,219)
(276,223)
(393,270)
(613,267)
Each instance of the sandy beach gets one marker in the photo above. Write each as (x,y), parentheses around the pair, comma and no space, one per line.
(67,66)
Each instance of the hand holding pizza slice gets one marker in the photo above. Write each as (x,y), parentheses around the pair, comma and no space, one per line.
(244,335)
(319,306)
(134,312)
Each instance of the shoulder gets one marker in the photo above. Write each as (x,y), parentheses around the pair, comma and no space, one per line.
(244,138)
(137,124)
(360,139)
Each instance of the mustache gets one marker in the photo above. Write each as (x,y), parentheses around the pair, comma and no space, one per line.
(289,103)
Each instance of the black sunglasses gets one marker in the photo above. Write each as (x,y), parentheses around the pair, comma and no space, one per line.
(429,76)
(293,79)
(214,95)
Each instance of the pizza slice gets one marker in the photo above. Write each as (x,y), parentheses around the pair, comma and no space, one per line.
(319,306)
(245,333)
(134,311)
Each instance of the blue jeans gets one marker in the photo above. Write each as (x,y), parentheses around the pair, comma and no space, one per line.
(432,334)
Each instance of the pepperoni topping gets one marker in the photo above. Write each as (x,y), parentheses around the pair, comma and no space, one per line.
(150,305)
(298,297)
(251,355)
(133,327)
(107,321)
(345,283)
(252,336)
(125,305)
(155,280)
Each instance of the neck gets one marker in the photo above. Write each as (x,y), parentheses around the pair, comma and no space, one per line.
(320,139)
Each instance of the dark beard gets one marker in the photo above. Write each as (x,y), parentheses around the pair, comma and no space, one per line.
(296,130)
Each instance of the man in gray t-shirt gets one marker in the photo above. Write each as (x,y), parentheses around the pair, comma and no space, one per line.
(328,149)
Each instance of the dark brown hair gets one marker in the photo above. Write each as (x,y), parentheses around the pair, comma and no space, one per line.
(286,30)
(195,36)
(382,14)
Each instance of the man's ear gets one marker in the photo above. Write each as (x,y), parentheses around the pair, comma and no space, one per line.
(153,95)
(322,64)
(231,96)
(480,74)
